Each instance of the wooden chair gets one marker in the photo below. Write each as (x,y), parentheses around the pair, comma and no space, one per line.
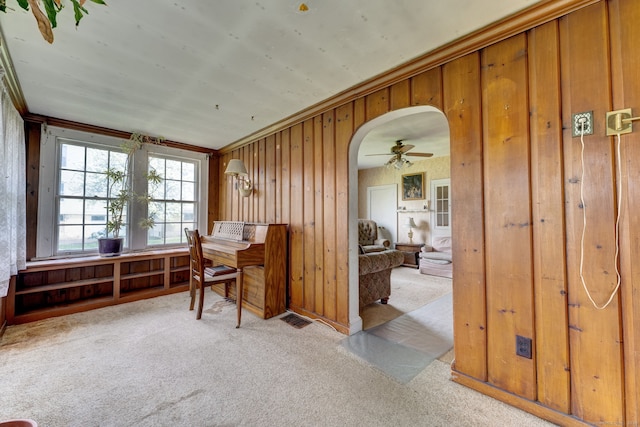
(201,276)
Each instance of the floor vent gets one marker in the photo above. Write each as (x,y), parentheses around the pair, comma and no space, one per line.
(295,321)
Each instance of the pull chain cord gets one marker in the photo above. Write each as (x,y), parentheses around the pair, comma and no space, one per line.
(584,222)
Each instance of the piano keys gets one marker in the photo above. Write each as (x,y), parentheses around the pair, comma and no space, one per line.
(259,251)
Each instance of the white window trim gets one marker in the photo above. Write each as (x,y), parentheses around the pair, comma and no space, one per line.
(45,246)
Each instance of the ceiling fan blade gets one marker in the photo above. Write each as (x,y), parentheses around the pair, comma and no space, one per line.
(404,148)
(419,154)
(380,154)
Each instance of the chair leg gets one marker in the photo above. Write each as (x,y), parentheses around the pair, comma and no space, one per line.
(192,292)
(239,287)
(200,302)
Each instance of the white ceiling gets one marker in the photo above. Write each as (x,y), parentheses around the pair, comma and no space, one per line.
(209,73)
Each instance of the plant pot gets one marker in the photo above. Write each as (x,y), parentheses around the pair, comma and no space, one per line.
(110,246)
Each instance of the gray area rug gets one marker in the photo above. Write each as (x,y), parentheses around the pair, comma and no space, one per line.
(405,346)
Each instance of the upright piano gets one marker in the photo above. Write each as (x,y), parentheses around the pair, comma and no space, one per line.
(259,251)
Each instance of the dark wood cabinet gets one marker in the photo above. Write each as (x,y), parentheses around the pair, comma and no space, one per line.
(411,253)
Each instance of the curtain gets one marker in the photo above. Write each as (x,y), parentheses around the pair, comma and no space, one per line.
(12,191)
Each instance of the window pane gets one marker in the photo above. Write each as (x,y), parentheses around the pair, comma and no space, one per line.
(157,163)
(174,170)
(173,190)
(173,212)
(96,185)
(188,191)
(156,211)
(155,235)
(71,157)
(70,211)
(91,235)
(117,160)
(71,183)
(188,211)
(97,160)
(95,212)
(173,233)
(70,238)
(188,171)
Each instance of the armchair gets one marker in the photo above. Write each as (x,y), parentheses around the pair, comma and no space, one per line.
(368,237)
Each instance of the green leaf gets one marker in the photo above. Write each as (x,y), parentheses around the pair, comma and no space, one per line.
(99,2)
(50,8)
(78,11)
(24,4)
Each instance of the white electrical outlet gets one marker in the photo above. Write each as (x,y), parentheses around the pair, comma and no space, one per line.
(582,123)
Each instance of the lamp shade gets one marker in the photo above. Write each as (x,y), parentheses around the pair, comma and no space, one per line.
(235,167)
(410,223)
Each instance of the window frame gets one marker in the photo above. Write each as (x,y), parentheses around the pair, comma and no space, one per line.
(136,238)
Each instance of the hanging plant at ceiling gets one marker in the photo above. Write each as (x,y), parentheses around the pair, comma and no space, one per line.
(47,21)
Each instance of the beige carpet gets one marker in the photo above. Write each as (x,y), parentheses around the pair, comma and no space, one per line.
(410,290)
(151,363)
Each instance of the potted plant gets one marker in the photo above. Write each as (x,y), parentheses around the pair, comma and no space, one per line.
(121,195)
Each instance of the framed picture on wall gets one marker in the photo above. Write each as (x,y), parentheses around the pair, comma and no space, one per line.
(413,186)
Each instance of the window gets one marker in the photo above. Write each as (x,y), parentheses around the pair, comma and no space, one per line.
(82,196)
(72,212)
(174,200)
(440,202)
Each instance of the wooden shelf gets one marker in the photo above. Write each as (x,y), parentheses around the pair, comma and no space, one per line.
(48,288)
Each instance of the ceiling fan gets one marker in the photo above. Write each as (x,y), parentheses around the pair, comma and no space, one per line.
(398,151)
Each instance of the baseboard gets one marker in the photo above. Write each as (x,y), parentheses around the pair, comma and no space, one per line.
(511,399)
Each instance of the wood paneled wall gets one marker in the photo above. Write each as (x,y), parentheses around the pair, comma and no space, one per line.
(516,176)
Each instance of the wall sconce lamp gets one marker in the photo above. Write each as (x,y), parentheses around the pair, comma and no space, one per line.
(237,169)
(411,225)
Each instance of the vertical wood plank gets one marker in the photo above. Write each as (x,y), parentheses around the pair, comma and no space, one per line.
(426,88)
(330,211)
(309,210)
(625,65)
(344,132)
(399,95)
(550,287)
(463,108)
(32,134)
(260,170)
(213,186)
(377,103)
(285,205)
(318,167)
(595,335)
(508,215)
(285,188)
(270,180)
(296,228)
(278,179)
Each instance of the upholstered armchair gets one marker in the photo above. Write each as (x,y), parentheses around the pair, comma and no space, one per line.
(375,263)
(368,237)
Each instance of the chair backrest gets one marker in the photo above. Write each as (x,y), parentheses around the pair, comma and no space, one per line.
(195,252)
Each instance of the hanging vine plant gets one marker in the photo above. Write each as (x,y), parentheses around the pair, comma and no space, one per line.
(47,22)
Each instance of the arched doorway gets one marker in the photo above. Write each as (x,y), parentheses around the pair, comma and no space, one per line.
(359,136)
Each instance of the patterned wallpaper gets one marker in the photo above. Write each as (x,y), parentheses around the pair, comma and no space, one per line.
(435,168)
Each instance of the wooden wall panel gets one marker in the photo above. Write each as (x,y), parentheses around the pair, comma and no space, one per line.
(309,211)
(270,180)
(550,286)
(329,211)
(400,95)
(318,214)
(594,373)
(516,215)
(33,134)
(625,60)
(463,108)
(296,219)
(345,126)
(426,88)
(507,215)
(377,104)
